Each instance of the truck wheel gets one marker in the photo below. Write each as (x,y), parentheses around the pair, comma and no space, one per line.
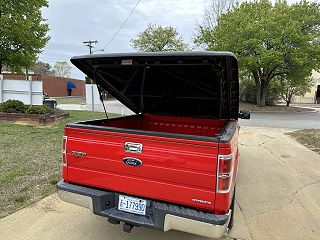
(232,209)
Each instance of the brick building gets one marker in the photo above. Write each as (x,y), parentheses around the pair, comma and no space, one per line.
(55,86)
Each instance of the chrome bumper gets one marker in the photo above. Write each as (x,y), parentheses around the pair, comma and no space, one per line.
(164,216)
(76,199)
(172,222)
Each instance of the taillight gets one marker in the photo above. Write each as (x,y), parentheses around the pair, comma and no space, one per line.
(64,151)
(224,173)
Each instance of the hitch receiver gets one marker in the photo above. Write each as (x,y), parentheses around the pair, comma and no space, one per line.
(127,227)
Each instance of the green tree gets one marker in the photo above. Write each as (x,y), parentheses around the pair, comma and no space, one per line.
(293,86)
(23,32)
(248,89)
(88,80)
(157,38)
(61,69)
(270,40)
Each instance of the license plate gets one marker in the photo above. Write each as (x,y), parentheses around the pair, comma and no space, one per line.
(132,205)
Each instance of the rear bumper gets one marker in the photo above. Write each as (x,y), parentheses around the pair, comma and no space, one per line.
(159,215)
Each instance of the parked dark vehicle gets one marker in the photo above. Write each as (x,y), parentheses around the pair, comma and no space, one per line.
(172,165)
(51,102)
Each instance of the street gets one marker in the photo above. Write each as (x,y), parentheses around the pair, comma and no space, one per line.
(258,119)
(283,120)
(277,197)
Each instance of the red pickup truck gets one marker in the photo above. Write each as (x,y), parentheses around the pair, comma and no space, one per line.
(171,165)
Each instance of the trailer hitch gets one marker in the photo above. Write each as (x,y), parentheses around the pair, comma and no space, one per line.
(127,227)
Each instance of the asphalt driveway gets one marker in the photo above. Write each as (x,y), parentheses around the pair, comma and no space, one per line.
(283,120)
(278,197)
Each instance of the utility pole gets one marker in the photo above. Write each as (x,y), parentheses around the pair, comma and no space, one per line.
(89,44)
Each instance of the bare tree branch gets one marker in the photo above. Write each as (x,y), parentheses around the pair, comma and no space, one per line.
(215,10)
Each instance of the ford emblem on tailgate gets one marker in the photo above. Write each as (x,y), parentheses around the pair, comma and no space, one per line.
(132,161)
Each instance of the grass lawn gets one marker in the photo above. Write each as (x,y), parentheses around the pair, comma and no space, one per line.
(71,100)
(30,161)
(277,108)
(308,137)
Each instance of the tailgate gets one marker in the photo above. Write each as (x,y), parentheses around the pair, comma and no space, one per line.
(174,170)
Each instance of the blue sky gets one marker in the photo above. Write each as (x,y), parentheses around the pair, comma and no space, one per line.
(73,21)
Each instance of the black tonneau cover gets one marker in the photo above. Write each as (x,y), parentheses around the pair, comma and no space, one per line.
(197,84)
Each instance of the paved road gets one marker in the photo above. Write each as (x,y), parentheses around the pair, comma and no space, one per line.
(275,120)
(283,120)
(277,198)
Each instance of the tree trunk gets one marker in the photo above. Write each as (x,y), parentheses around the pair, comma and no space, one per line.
(261,89)
(288,103)
(289,97)
(261,94)
(263,97)
(258,94)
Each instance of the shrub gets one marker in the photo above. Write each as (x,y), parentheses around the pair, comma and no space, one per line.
(273,94)
(35,109)
(13,106)
(247,92)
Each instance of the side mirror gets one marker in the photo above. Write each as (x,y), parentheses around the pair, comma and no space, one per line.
(244,114)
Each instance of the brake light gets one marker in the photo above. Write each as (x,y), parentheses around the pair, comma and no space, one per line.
(64,151)
(224,173)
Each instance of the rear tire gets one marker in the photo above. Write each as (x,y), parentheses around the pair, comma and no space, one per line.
(230,225)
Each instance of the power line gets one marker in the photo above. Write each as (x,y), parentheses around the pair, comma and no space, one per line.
(122,25)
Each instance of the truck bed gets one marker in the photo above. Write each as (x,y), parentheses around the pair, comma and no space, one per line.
(167,124)
(179,157)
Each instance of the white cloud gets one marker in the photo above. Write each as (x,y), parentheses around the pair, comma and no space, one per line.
(74,21)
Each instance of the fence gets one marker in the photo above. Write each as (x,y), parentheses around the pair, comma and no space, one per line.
(28,91)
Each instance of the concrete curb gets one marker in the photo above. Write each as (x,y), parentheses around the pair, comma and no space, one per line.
(313,111)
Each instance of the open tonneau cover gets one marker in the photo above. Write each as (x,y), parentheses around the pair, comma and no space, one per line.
(194,84)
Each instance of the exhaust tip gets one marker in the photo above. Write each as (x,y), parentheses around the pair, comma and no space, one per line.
(127,227)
